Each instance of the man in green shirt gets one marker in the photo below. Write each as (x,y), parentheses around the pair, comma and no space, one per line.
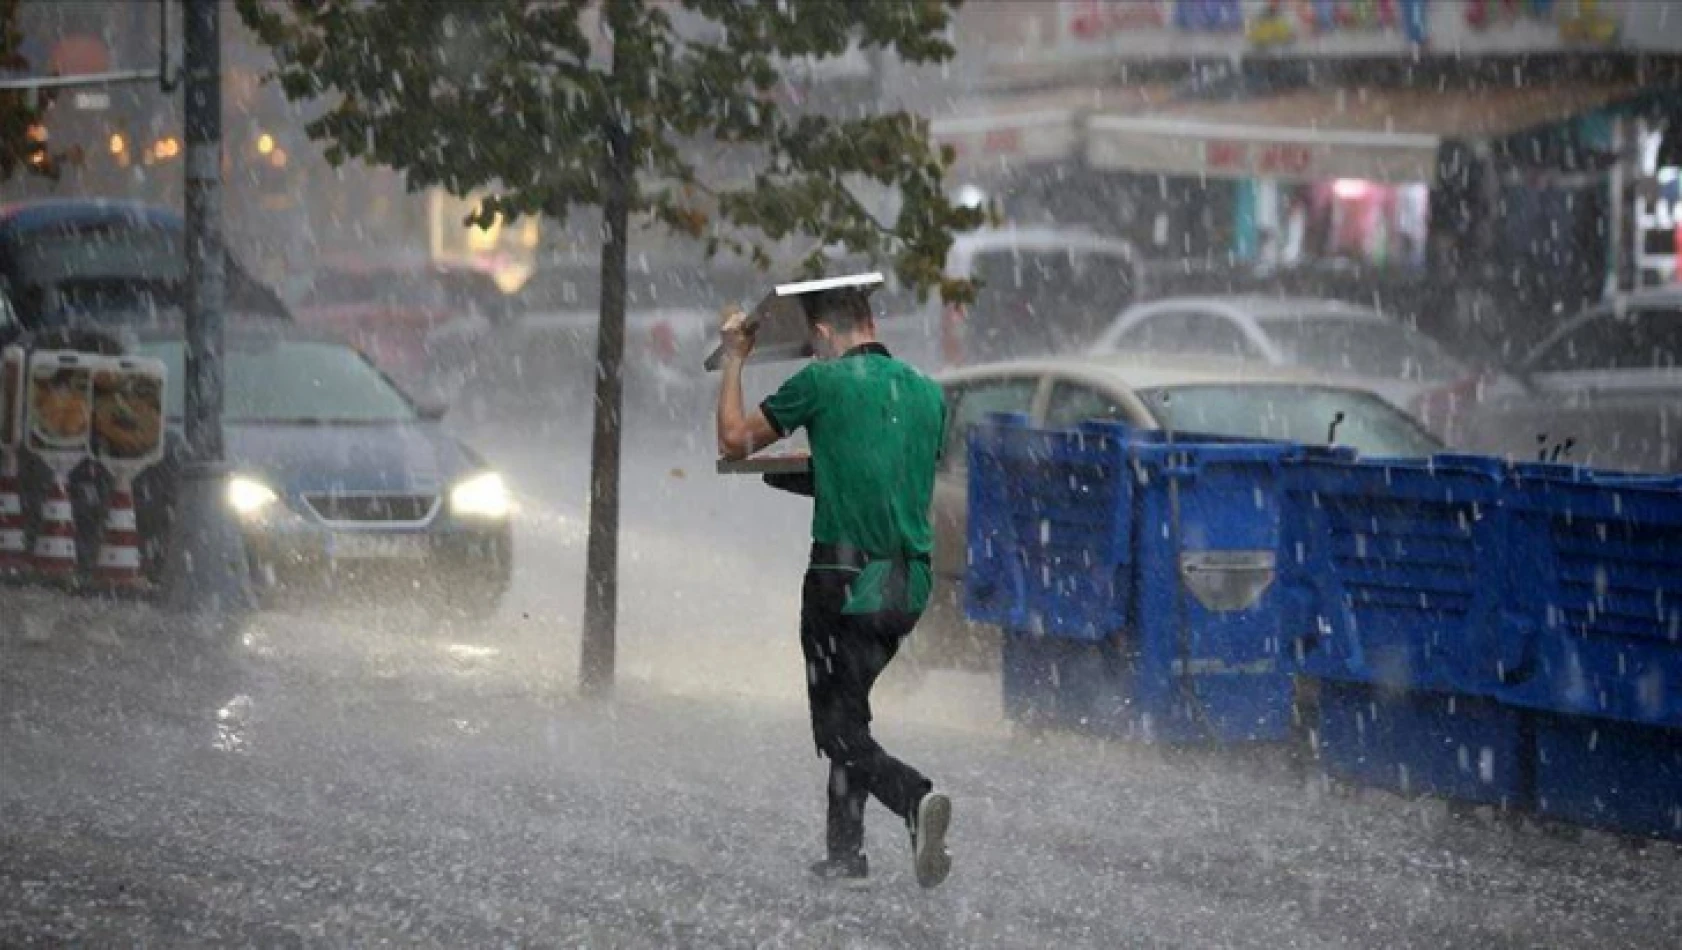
(875,426)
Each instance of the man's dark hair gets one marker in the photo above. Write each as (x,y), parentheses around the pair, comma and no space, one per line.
(843,311)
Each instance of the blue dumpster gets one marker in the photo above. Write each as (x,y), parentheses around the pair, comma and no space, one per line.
(1396,567)
(1601,601)
(1397,580)
(1133,575)
(1603,773)
(1050,529)
(1420,742)
(1212,660)
(1601,604)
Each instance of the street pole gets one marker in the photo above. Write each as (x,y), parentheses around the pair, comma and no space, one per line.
(203,193)
(206,572)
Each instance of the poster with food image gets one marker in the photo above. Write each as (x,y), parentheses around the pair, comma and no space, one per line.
(128,411)
(60,402)
(11,397)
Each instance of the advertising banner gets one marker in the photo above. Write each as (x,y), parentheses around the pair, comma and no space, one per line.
(128,413)
(60,413)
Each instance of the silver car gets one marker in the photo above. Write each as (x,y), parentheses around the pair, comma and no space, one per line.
(1335,339)
(1235,400)
(1605,389)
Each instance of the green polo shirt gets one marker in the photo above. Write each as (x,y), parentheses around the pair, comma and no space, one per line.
(876,427)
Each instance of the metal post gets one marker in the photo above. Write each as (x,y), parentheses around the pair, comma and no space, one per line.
(203,119)
(207,572)
(1616,211)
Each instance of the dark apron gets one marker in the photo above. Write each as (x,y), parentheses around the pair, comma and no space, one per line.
(895,587)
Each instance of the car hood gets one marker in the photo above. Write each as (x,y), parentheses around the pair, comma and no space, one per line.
(417,457)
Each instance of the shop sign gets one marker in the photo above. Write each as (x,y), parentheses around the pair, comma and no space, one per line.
(1098,19)
(1025,137)
(1100,24)
(1002,141)
(1209,16)
(1577,21)
(1137,30)
(1277,22)
(1271,159)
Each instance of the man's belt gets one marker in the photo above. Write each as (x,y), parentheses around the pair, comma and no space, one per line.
(847,556)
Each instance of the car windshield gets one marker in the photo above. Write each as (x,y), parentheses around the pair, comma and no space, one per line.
(293,382)
(132,253)
(1291,412)
(1640,338)
(1336,343)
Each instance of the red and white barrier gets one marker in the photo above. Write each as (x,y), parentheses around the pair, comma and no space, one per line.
(118,565)
(14,546)
(14,542)
(55,540)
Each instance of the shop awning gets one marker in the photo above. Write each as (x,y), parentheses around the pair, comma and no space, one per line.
(1002,134)
(1382,135)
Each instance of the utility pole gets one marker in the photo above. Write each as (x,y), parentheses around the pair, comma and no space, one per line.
(206,572)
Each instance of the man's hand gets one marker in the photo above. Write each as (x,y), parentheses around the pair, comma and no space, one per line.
(735,334)
(740,433)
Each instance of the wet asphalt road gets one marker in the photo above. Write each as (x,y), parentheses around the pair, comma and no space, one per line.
(386,775)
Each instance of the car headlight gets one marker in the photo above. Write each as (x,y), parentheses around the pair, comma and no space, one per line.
(481,496)
(249,497)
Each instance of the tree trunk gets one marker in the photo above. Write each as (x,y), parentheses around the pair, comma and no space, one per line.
(601,559)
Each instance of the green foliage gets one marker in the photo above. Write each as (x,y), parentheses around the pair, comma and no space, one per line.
(519,99)
(19,111)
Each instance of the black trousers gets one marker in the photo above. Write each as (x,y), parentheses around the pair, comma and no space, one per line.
(844,655)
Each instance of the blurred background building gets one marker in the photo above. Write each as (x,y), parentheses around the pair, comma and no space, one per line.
(1519,150)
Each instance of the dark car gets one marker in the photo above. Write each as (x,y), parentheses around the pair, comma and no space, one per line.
(420,322)
(107,263)
(341,481)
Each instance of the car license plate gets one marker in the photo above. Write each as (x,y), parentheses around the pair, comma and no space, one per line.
(382,547)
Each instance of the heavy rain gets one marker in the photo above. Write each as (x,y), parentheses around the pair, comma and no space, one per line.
(1235,453)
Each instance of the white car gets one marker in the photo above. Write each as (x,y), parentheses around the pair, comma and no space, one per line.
(1605,389)
(1328,337)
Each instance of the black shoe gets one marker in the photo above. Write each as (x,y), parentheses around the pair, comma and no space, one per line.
(853,867)
(928,839)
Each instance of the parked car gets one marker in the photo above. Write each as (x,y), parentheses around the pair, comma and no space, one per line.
(1604,389)
(1231,399)
(107,263)
(420,322)
(342,481)
(1329,337)
(1041,291)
